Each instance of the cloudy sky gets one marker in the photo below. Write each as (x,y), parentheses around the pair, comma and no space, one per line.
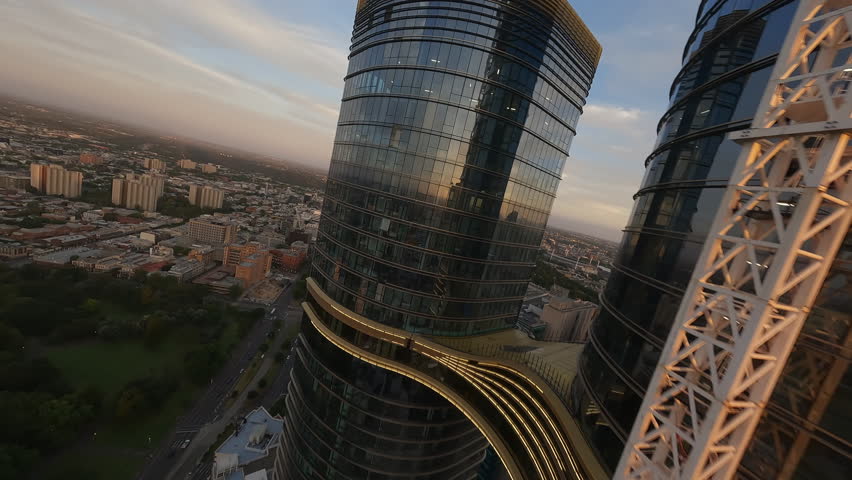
(266,76)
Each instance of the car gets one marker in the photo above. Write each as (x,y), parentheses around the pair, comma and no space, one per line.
(185,444)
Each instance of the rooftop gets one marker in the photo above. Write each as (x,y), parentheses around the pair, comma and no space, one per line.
(513,344)
(250,442)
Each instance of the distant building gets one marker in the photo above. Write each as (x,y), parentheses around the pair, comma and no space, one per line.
(91,159)
(56,180)
(138,191)
(252,452)
(11,251)
(154,236)
(202,253)
(154,164)
(568,320)
(211,230)
(186,269)
(206,196)
(186,164)
(209,168)
(251,261)
(290,260)
(12,181)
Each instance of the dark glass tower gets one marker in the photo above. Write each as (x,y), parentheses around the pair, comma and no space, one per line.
(454,129)
(807,429)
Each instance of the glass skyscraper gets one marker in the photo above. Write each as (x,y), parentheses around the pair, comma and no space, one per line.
(806,431)
(455,126)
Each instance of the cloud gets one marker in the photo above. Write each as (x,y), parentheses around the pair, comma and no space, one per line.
(604,169)
(642,47)
(266,76)
(142,74)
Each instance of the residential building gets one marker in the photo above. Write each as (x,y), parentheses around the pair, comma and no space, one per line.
(804,431)
(206,196)
(38,176)
(54,179)
(11,181)
(422,259)
(154,164)
(209,168)
(252,452)
(212,230)
(138,191)
(186,164)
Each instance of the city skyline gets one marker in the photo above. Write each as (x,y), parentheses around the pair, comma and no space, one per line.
(264,68)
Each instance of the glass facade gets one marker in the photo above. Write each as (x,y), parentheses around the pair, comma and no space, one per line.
(726,64)
(454,129)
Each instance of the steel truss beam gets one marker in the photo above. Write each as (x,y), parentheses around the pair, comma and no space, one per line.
(778,229)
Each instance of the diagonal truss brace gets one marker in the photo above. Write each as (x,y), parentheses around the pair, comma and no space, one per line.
(780,224)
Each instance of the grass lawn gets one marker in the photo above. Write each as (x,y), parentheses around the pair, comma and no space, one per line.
(135,434)
(94,464)
(230,335)
(118,450)
(109,366)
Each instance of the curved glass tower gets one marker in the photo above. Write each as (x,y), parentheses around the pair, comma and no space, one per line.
(454,129)
(805,432)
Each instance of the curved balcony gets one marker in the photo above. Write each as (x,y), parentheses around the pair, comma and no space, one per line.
(509,387)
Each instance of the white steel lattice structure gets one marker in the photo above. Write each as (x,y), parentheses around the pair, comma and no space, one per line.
(780,224)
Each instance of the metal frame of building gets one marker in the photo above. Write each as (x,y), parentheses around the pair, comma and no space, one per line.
(781,222)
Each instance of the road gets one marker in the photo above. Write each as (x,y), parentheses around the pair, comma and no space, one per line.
(208,407)
(189,468)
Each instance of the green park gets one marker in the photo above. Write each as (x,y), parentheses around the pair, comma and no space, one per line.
(96,367)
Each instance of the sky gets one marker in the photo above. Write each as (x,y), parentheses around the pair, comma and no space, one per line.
(267,76)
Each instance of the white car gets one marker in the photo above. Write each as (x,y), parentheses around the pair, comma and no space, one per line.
(185,444)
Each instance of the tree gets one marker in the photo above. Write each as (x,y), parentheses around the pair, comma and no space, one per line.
(235,291)
(264,347)
(156,329)
(34,208)
(92,306)
(261,383)
(300,289)
(280,357)
(201,364)
(130,403)
(32,222)
(252,394)
(139,276)
(17,461)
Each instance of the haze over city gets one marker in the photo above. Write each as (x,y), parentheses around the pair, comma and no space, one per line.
(265,76)
(425,239)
